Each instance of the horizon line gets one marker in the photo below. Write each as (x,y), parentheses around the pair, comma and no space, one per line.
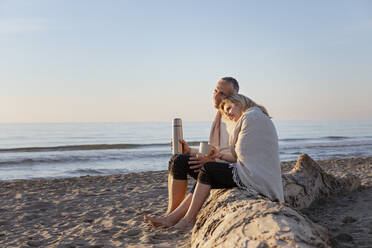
(163,121)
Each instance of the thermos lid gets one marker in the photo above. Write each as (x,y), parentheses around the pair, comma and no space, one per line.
(177,122)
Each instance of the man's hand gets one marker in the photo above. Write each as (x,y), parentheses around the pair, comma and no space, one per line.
(198,161)
(185,147)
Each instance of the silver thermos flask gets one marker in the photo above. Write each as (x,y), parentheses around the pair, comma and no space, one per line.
(176,136)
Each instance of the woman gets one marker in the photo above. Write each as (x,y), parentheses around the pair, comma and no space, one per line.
(255,146)
(254,161)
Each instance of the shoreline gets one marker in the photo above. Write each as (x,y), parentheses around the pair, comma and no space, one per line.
(284,165)
(107,211)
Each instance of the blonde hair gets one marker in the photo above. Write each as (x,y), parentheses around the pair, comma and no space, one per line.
(243,101)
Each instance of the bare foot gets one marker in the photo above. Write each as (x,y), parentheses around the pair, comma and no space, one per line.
(184,224)
(158,221)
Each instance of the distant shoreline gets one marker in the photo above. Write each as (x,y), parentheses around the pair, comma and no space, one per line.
(284,165)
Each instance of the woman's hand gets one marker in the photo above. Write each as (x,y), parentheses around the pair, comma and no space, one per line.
(185,147)
(214,153)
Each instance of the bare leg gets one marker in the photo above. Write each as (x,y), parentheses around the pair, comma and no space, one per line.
(200,195)
(177,203)
(173,217)
(176,193)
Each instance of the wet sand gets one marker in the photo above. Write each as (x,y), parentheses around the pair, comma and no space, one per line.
(107,211)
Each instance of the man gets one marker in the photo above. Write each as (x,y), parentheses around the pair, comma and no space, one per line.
(190,161)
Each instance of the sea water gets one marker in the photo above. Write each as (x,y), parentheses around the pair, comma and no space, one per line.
(54,150)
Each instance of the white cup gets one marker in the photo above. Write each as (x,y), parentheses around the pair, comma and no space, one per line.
(204,148)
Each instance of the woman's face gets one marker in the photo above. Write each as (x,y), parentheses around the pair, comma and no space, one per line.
(233,111)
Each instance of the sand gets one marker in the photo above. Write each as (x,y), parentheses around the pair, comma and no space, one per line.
(107,211)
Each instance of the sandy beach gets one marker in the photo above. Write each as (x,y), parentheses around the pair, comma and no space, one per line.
(107,211)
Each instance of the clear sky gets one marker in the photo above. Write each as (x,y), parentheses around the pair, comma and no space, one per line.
(104,61)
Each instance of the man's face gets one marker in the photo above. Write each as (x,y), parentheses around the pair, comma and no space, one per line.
(223,89)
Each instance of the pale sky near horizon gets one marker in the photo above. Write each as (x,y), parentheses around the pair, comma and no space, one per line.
(112,61)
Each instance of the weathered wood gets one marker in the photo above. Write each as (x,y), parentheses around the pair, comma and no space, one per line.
(235,218)
(307,182)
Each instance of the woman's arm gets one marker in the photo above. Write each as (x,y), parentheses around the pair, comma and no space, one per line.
(227,157)
(215,153)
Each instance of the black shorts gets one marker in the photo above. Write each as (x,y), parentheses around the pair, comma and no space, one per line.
(217,175)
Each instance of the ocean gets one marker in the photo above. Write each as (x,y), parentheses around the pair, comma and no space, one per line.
(55,150)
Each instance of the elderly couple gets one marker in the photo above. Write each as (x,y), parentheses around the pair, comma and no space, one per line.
(244,154)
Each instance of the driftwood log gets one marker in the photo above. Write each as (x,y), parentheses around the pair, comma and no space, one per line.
(235,218)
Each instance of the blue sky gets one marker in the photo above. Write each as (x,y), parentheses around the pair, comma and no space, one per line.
(86,61)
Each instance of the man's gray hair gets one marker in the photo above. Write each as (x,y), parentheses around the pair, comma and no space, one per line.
(234,83)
